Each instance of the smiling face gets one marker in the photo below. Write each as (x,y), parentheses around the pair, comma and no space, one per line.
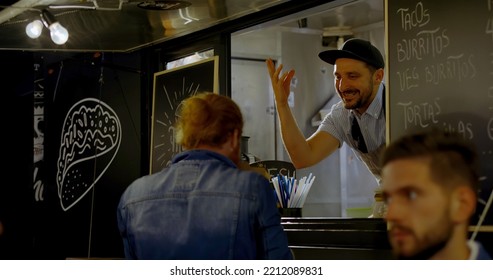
(355,83)
(418,213)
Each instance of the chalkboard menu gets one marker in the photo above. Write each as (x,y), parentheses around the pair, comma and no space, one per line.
(440,73)
(171,87)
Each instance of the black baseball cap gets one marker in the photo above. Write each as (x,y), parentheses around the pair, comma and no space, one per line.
(356,49)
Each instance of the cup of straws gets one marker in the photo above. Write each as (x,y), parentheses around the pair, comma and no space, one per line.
(291,193)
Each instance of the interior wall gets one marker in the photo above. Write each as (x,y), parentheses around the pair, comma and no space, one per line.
(250,88)
(312,89)
(91,98)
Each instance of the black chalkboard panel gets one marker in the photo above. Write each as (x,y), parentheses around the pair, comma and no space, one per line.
(440,73)
(171,87)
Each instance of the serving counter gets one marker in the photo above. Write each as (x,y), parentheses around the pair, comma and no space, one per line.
(337,238)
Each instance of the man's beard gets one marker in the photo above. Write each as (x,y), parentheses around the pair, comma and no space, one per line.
(426,253)
(362,98)
(433,243)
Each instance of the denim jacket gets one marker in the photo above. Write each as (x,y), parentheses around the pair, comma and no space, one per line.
(201,207)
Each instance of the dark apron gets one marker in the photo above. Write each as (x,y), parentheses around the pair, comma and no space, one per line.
(371,160)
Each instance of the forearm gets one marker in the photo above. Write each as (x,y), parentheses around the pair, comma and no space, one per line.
(299,150)
(293,139)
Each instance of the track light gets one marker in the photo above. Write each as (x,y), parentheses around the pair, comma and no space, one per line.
(58,33)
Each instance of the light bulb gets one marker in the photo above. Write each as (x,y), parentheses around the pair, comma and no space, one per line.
(34,29)
(59,34)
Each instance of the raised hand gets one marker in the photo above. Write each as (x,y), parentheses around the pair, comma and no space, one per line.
(280,84)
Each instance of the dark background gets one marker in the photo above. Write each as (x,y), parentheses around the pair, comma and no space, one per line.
(40,229)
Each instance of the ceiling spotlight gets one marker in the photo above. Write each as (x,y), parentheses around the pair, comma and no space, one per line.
(34,29)
(58,33)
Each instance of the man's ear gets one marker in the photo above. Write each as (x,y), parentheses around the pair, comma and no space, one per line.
(236,138)
(463,204)
(379,75)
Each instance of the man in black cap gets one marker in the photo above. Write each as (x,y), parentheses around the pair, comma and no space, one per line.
(358,119)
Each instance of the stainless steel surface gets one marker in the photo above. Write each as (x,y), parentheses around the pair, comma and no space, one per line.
(117,25)
(126,25)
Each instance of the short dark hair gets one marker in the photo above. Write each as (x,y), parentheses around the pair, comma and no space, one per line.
(453,159)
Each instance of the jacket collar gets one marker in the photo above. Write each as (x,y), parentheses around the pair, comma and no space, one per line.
(202,155)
